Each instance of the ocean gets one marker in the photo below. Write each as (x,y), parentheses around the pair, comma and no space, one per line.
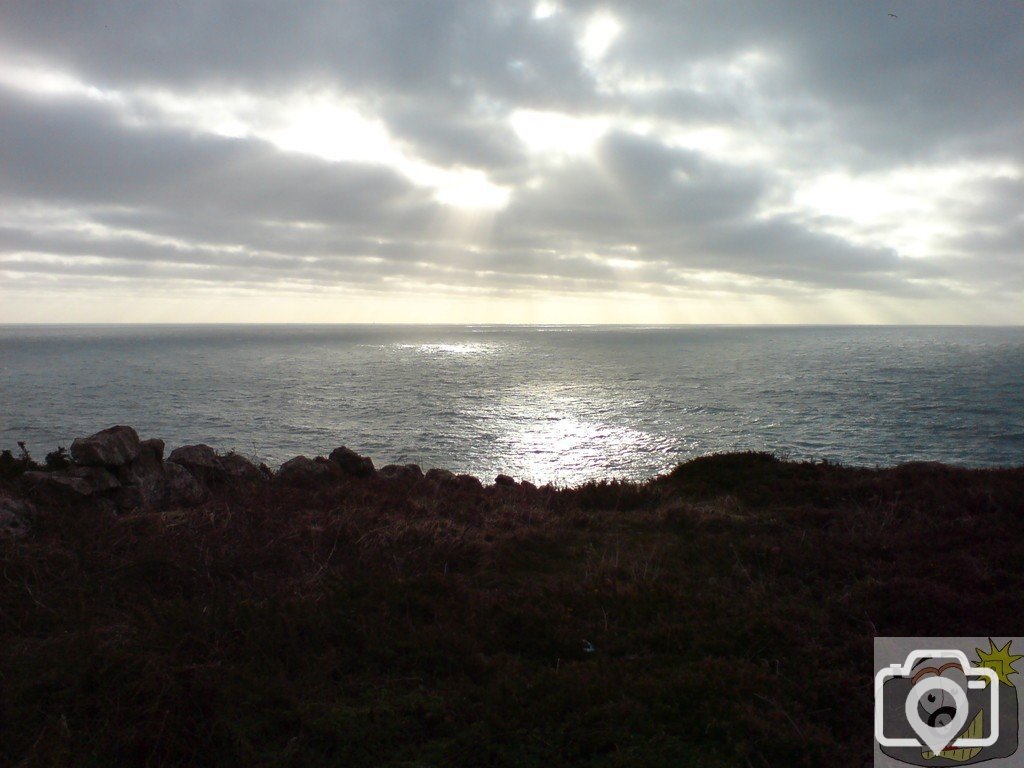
(546,403)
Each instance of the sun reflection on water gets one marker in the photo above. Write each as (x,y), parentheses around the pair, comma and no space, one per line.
(562,448)
(561,437)
(450,349)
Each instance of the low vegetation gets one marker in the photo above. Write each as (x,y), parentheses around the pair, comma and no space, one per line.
(722,615)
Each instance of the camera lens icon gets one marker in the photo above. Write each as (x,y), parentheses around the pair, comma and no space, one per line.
(936,709)
(937,706)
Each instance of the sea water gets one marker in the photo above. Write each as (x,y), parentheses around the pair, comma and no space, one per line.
(547,403)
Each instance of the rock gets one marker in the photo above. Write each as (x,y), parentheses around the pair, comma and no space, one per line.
(450,479)
(154,446)
(401,472)
(440,476)
(130,497)
(201,460)
(304,473)
(526,485)
(77,481)
(148,482)
(351,462)
(146,475)
(14,516)
(181,488)
(239,468)
(504,480)
(111,447)
(469,483)
(98,478)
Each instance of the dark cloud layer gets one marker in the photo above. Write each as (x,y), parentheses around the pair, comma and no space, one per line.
(689,138)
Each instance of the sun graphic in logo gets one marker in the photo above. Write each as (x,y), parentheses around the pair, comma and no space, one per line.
(999,660)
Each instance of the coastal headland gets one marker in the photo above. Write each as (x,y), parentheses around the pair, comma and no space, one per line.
(187,607)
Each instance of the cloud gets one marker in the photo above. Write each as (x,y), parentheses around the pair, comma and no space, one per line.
(682,150)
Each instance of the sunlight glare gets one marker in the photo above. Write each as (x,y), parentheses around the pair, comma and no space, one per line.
(722,143)
(600,31)
(49,82)
(556,133)
(900,209)
(318,124)
(333,131)
(545,9)
(466,188)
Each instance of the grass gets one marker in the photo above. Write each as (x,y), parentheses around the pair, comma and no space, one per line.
(730,607)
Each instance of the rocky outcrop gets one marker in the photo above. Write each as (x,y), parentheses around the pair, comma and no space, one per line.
(145,473)
(213,469)
(201,460)
(352,463)
(303,472)
(181,488)
(450,480)
(74,482)
(407,472)
(155,446)
(469,482)
(237,468)
(441,476)
(111,447)
(113,470)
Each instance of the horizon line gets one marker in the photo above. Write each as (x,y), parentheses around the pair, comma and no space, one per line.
(298,324)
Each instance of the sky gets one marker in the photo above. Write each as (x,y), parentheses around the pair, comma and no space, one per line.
(829,161)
